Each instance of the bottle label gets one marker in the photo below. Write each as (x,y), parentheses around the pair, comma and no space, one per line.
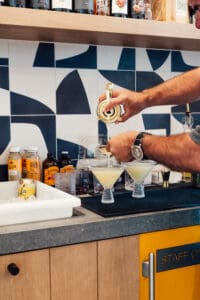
(67,168)
(119,7)
(33,168)
(14,169)
(65,4)
(49,175)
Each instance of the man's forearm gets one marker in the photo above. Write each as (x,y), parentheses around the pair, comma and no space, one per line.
(178,152)
(182,89)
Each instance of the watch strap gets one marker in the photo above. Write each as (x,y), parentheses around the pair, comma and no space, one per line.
(138,139)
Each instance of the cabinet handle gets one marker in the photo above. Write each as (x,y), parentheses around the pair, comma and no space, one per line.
(13,269)
(149,272)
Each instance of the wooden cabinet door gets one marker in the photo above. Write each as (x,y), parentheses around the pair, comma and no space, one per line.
(74,272)
(118,269)
(177,263)
(32,282)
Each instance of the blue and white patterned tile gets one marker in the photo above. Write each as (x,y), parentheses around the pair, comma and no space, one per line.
(108,57)
(35,130)
(81,58)
(4,102)
(178,63)
(28,81)
(188,59)
(142,60)
(76,91)
(74,128)
(45,56)
(157,58)
(176,123)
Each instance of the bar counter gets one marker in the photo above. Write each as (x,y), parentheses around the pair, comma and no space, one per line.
(86,226)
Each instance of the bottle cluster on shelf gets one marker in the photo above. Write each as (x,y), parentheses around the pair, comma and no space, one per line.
(140,9)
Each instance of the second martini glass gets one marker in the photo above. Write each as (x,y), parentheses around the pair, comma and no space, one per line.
(107,171)
(138,170)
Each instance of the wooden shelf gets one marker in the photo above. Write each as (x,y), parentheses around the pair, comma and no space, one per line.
(40,25)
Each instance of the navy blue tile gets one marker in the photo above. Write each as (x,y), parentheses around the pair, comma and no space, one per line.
(86,60)
(178,64)
(47,126)
(45,56)
(102,130)
(3,172)
(125,79)
(157,57)
(71,147)
(23,105)
(4,133)
(145,80)
(71,97)
(157,121)
(4,78)
(3,61)
(127,59)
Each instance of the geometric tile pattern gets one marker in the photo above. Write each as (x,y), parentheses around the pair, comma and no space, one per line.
(49,91)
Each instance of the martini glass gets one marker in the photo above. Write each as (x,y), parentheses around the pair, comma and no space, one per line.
(138,170)
(106,170)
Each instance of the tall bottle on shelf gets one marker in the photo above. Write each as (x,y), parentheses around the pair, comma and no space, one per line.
(40,4)
(137,9)
(102,7)
(62,5)
(84,7)
(65,163)
(119,8)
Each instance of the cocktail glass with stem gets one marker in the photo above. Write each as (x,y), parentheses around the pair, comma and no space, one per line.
(106,170)
(138,170)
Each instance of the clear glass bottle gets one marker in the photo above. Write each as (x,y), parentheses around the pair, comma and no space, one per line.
(137,9)
(31,163)
(14,164)
(148,10)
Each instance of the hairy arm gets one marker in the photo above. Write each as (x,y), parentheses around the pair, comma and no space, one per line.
(178,152)
(182,89)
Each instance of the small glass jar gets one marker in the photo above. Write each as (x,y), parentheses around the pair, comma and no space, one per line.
(31,163)
(14,164)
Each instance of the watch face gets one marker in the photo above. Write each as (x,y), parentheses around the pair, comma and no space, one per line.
(137,152)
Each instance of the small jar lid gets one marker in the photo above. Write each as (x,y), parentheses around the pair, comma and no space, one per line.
(31,148)
(14,149)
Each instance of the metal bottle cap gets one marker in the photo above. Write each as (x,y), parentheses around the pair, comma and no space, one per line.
(113,114)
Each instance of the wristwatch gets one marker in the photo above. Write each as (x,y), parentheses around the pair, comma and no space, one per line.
(136,148)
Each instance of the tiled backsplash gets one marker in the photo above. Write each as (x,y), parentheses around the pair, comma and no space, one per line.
(49,92)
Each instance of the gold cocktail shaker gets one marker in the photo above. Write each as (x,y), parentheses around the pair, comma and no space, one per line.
(113,114)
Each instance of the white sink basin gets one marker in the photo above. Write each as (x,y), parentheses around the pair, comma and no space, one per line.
(50,203)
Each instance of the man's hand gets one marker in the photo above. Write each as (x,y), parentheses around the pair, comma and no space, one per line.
(131,101)
(120,145)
